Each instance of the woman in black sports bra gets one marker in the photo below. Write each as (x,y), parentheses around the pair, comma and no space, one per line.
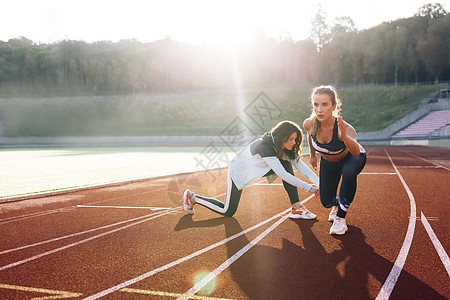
(341,155)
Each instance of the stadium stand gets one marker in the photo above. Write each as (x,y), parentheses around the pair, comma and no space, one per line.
(432,122)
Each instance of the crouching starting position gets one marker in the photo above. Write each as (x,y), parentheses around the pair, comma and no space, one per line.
(271,156)
(341,155)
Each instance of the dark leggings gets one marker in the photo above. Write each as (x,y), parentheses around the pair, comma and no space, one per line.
(233,195)
(329,176)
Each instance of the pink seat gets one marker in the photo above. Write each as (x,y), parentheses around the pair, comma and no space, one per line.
(421,128)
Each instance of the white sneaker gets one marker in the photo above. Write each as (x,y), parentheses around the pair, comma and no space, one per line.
(332,214)
(302,213)
(188,205)
(339,226)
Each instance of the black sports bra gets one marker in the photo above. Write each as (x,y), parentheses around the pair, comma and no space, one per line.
(334,147)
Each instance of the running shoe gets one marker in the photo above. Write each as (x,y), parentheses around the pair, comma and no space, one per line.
(188,205)
(332,214)
(302,213)
(339,226)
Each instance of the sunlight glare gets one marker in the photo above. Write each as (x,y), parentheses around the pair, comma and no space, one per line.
(210,287)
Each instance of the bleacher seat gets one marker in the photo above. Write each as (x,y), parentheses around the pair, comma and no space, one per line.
(421,128)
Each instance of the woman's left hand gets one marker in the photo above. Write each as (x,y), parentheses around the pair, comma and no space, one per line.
(342,128)
(315,191)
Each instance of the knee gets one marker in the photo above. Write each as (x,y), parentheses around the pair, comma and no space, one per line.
(229,213)
(349,174)
(328,202)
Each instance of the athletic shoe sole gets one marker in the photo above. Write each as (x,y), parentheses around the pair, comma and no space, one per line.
(186,203)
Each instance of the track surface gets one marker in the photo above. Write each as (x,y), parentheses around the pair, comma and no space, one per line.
(134,241)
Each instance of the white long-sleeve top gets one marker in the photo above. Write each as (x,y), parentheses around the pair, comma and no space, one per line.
(258,158)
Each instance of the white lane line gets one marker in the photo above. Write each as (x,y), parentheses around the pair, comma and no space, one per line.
(29,215)
(179,261)
(364,173)
(24,217)
(37,214)
(75,234)
(428,161)
(419,167)
(437,244)
(202,283)
(137,207)
(392,278)
(368,173)
(166,294)
(56,294)
(232,259)
(157,215)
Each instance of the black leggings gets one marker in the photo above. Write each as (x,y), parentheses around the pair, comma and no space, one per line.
(329,176)
(233,195)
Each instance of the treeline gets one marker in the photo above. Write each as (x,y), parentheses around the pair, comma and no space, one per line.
(415,49)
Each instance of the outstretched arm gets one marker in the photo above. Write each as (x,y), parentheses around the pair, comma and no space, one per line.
(305,171)
(278,168)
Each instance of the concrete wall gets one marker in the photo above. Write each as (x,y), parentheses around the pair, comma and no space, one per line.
(441,143)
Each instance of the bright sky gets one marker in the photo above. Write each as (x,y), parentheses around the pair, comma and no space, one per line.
(193,21)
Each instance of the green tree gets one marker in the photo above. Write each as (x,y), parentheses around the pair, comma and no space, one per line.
(337,52)
(432,11)
(320,32)
(113,74)
(74,74)
(433,48)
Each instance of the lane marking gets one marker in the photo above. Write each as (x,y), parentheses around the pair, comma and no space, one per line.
(437,244)
(78,233)
(368,173)
(38,214)
(428,218)
(364,173)
(24,217)
(137,207)
(166,294)
(181,260)
(428,161)
(202,283)
(186,258)
(397,268)
(57,294)
(157,215)
(420,167)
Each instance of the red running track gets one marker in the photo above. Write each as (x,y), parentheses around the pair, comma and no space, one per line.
(133,240)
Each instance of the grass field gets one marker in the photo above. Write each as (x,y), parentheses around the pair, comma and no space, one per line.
(195,113)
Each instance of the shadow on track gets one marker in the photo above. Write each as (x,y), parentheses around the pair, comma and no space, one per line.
(361,262)
(294,272)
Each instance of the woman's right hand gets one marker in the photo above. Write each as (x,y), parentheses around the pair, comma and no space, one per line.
(313,161)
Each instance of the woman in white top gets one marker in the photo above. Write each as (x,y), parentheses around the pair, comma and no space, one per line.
(271,156)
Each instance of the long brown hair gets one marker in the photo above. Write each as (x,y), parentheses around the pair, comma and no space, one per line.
(281,133)
(323,90)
